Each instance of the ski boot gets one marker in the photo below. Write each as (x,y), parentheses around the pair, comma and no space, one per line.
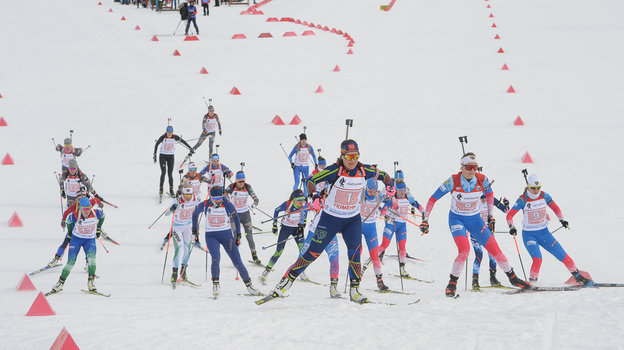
(58,286)
(171,193)
(494,282)
(215,288)
(515,281)
(532,280)
(183,275)
(91,283)
(251,289)
(380,283)
(255,259)
(264,275)
(284,285)
(475,282)
(402,269)
(355,296)
(333,288)
(451,287)
(54,261)
(160,191)
(174,276)
(580,279)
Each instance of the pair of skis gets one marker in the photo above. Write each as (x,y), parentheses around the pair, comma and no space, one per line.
(563,289)
(94,292)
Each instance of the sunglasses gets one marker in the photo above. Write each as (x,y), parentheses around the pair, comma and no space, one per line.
(242,180)
(193,169)
(535,187)
(471,167)
(354,156)
(73,169)
(217,198)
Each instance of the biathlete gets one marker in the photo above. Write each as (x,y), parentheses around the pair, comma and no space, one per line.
(301,151)
(346,179)
(466,189)
(218,212)
(535,233)
(167,157)
(369,209)
(293,224)
(182,209)
(239,194)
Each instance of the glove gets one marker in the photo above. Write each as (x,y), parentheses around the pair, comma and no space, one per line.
(274,230)
(197,239)
(315,166)
(191,151)
(62,223)
(512,230)
(255,203)
(316,204)
(506,203)
(228,175)
(300,229)
(154,158)
(98,232)
(238,237)
(564,223)
(413,211)
(491,223)
(424,227)
(386,217)
(195,233)
(323,193)
(219,132)
(174,206)
(98,197)
(292,165)
(63,194)
(390,191)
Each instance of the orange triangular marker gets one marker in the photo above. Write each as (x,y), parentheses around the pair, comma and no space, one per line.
(491,15)
(350,52)
(526,158)
(15,221)
(488,6)
(40,307)
(110,10)
(518,121)
(137,28)
(494,25)
(64,341)
(123,18)
(25,284)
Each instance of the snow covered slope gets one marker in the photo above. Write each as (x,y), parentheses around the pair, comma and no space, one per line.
(421,75)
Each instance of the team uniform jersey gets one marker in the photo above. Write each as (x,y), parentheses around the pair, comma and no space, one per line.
(72,183)
(74,208)
(167,144)
(534,209)
(465,194)
(210,124)
(295,215)
(302,153)
(195,182)
(217,216)
(67,155)
(239,196)
(216,173)
(183,215)
(85,227)
(367,206)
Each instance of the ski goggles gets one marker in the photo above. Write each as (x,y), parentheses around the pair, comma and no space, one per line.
(217,198)
(471,167)
(352,156)
(302,198)
(535,187)
(73,169)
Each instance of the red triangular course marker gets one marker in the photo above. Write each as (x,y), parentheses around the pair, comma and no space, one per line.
(0,95)
(511,90)
(488,6)
(3,122)
(40,307)
(277,120)
(191,38)
(290,34)
(123,18)
(64,341)
(494,25)
(272,19)
(295,120)
(308,32)
(110,10)
(235,91)
(350,52)
(571,281)
(518,121)
(25,284)
(99,4)
(203,71)
(137,28)
(239,36)
(505,67)
(176,53)
(7,160)
(155,38)
(319,90)
(15,221)
(265,35)
(497,37)
(491,15)
(526,158)
(336,69)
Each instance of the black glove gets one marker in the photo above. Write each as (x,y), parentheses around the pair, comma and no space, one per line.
(424,227)
(491,223)
(98,197)
(98,232)
(238,239)
(191,151)
(195,233)
(300,229)
(292,165)
(255,204)
(274,230)
(219,132)
(512,230)
(506,203)
(227,175)
(413,211)
(63,194)
(174,206)
(154,158)
(564,223)
(386,217)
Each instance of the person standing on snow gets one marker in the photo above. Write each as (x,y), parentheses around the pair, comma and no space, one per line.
(302,151)
(218,213)
(216,171)
(466,189)
(71,181)
(205,7)
(239,193)
(346,179)
(209,129)
(535,233)
(85,228)
(167,157)
(192,12)
(68,152)
(182,209)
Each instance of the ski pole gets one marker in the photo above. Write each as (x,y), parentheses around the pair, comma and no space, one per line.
(557,229)
(163,213)
(84,150)
(54,143)
(283,215)
(263,212)
(280,242)
(103,246)
(111,204)
(60,196)
(520,257)
(167,252)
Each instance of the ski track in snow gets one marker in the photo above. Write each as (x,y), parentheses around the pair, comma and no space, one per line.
(421,75)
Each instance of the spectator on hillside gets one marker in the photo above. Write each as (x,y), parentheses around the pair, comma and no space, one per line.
(192,11)
(205,6)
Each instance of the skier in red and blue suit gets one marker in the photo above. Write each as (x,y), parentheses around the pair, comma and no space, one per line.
(346,179)
(533,203)
(466,188)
